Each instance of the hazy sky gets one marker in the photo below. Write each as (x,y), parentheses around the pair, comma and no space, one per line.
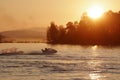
(15,14)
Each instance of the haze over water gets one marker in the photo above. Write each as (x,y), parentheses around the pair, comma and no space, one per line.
(19,14)
(72,62)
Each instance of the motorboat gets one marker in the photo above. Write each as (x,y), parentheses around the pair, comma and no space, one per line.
(46,51)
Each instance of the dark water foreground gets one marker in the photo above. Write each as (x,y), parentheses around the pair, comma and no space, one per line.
(70,63)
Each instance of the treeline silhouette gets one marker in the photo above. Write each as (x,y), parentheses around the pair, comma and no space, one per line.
(102,31)
(1,37)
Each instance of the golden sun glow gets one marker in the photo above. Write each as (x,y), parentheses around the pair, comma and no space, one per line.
(95,11)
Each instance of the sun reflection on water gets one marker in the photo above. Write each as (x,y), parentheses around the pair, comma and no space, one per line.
(94,76)
(94,47)
(94,63)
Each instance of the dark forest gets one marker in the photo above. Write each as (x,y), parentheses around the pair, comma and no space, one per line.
(102,31)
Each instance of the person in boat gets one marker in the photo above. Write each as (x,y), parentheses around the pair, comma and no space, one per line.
(43,50)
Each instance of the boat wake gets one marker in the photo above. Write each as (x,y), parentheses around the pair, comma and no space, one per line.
(15,51)
(11,51)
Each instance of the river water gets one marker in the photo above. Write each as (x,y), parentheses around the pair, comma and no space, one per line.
(71,62)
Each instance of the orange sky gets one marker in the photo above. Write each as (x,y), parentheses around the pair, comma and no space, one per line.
(16,14)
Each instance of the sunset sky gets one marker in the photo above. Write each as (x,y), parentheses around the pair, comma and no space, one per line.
(17,14)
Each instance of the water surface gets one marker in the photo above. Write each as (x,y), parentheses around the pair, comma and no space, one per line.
(72,62)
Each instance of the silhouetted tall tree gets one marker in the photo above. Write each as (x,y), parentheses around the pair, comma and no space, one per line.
(62,34)
(1,37)
(70,33)
(52,33)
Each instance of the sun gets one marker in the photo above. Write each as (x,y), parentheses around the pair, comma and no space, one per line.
(95,11)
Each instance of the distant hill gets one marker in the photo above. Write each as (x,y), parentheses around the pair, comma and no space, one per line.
(31,33)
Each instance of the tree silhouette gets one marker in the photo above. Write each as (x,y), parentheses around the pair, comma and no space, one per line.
(70,33)
(1,37)
(52,33)
(104,31)
(62,34)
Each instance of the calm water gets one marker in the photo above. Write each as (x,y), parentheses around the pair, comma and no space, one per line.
(70,63)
